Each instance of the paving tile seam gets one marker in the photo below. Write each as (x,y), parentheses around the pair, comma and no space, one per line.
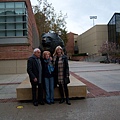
(13,83)
(94,90)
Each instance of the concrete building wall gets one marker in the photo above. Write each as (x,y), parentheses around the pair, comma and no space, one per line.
(91,40)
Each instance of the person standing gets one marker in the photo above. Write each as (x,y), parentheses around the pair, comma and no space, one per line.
(34,70)
(61,76)
(48,77)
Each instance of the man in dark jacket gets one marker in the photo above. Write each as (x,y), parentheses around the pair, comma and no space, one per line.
(34,69)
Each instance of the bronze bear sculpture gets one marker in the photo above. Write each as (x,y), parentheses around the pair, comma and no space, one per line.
(50,41)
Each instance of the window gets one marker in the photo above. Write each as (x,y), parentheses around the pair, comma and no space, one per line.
(13,19)
(10,26)
(9,4)
(19,26)
(9,19)
(2,33)
(19,5)
(2,12)
(19,33)
(10,33)
(2,19)
(19,18)
(2,26)
(2,5)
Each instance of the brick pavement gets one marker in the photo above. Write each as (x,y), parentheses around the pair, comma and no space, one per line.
(95,91)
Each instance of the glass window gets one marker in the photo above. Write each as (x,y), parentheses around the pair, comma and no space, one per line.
(2,33)
(117,17)
(19,19)
(13,19)
(118,24)
(2,12)
(24,25)
(113,19)
(24,32)
(9,4)
(2,26)
(19,5)
(19,26)
(24,18)
(2,5)
(10,33)
(10,19)
(10,26)
(10,12)
(117,29)
(19,11)
(2,19)
(19,33)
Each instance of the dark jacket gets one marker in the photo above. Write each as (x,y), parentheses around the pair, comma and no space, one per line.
(46,73)
(65,70)
(33,69)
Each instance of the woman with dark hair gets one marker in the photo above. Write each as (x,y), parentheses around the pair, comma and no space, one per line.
(61,73)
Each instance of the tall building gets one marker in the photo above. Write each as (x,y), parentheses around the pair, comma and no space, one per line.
(18,35)
(114,29)
(91,40)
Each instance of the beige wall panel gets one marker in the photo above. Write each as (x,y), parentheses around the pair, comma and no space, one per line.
(7,66)
(21,66)
(13,66)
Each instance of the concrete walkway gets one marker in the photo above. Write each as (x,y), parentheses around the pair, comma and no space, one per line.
(101,79)
(102,102)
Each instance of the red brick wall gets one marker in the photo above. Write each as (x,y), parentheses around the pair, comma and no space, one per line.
(70,43)
(20,52)
(14,52)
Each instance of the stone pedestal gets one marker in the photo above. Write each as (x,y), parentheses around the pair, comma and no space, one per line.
(76,89)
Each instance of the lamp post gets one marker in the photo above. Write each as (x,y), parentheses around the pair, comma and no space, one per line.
(93,17)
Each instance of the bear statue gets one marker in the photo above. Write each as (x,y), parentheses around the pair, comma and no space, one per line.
(50,41)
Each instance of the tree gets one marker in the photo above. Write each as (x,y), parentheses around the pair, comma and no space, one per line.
(109,49)
(47,20)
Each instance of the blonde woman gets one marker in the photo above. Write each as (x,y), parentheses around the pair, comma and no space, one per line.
(61,73)
(48,77)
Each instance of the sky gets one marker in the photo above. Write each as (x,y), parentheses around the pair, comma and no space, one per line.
(79,12)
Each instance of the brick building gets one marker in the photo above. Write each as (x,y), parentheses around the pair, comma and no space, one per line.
(18,35)
(71,43)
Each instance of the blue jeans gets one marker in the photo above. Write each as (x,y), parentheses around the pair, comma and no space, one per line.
(49,88)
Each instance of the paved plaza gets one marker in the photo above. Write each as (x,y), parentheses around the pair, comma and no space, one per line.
(102,102)
(101,79)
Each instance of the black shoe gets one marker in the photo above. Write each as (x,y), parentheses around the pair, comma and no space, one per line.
(52,103)
(48,103)
(41,103)
(35,103)
(68,102)
(61,101)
